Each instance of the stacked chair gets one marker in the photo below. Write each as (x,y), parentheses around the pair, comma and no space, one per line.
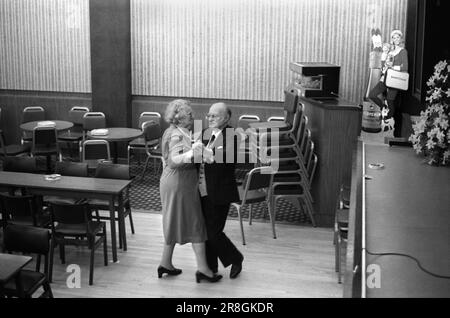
(289,149)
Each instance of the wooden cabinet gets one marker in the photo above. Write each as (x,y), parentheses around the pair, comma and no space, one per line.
(335,125)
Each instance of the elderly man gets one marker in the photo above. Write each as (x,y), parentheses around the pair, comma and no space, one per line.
(218,188)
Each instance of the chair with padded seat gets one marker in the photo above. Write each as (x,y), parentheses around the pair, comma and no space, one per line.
(31,113)
(74,135)
(72,225)
(255,189)
(45,143)
(23,210)
(20,164)
(139,144)
(71,169)
(152,136)
(113,171)
(93,120)
(12,149)
(245,120)
(285,187)
(94,151)
(292,111)
(34,240)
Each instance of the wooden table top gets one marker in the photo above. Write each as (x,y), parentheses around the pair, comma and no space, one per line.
(75,184)
(59,125)
(118,134)
(407,212)
(10,264)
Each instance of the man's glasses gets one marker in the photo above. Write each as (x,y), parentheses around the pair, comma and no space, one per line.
(212,116)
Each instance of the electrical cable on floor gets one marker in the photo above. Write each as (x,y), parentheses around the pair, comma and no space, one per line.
(411,257)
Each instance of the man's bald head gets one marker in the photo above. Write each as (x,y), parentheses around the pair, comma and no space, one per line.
(218,116)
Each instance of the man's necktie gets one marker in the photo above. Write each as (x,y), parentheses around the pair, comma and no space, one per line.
(211,141)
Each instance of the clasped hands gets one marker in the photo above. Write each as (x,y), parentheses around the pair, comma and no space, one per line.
(202,153)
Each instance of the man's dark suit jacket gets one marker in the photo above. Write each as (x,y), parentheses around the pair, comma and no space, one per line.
(220,178)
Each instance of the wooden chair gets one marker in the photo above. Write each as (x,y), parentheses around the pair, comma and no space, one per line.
(113,171)
(67,168)
(12,150)
(20,164)
(23,210)
(72,225)
(28,239)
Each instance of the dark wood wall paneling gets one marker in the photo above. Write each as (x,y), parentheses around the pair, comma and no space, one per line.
(56,105)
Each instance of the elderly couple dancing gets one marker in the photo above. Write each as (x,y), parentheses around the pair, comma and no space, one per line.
(196,192)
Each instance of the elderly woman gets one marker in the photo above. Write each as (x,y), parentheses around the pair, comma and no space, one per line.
(182,215)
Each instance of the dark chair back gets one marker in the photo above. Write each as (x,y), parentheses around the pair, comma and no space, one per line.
(152,130)
(258,178)
(73,169)
(245,120)
(76,114)
(94,120)
(69,213)
(26,239)
(112,171)
(45,136)
(20,164)
(290,107)
(21,209)
(33,113)
(95,150)
(149,116)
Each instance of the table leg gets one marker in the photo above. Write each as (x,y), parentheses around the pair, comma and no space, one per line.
(114,149)
(122,222)
(112,219)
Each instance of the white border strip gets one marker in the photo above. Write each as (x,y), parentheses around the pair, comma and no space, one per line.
(363,224)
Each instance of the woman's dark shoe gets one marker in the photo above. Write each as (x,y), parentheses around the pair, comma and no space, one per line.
(173,272)
(199,276)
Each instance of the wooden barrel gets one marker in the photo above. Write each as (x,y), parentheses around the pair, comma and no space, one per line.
(371,118)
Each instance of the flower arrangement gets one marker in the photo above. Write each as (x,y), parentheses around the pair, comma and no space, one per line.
(431,135)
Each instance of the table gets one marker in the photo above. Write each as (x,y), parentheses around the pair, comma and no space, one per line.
(117,134)
(75,187)
(407,211)
(10,265)
(60,125)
